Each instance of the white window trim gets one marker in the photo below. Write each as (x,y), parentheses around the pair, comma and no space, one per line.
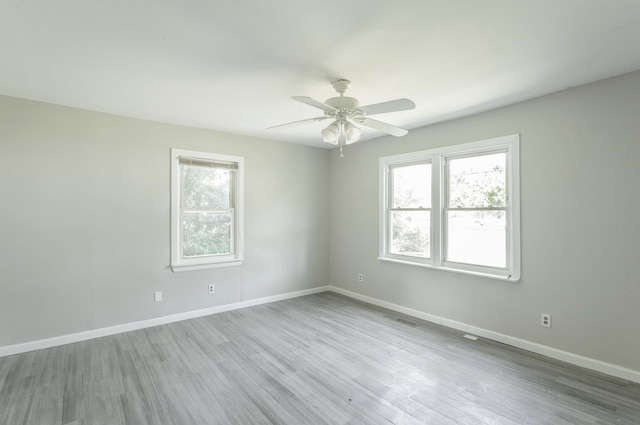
(179,264)
(511,145)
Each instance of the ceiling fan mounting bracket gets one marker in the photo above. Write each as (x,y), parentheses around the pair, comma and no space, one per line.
(341,85)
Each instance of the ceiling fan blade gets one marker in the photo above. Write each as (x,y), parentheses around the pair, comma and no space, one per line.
(295,123)
(383,126)
(314,103)
(390,106)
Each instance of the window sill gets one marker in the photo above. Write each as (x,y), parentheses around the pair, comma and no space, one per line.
(188,267)
(449,269)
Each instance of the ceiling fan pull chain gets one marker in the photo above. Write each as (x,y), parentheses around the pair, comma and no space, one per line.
(341,154)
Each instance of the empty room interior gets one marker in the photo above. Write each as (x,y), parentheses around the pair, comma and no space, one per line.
(339,212)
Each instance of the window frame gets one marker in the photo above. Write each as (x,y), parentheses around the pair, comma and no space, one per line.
(236,257)
(510,145)
(390,209)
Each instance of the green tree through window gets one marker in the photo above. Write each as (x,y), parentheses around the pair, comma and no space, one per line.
(207,210)
(207,203)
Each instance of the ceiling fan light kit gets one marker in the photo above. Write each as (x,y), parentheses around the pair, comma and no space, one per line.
(348,115)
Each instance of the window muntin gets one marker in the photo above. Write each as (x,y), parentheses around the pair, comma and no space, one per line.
(474,210)
(206,210)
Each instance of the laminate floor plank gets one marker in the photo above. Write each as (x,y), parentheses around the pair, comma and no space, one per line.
(320,359)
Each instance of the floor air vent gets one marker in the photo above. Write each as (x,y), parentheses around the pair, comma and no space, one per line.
(405,322)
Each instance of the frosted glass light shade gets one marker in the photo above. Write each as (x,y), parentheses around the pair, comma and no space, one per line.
(352,133)
(331,133)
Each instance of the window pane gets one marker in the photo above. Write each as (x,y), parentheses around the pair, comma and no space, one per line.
(205,233)
(477,181)
(412,186)
(206,187)
(477,237)
(411,233)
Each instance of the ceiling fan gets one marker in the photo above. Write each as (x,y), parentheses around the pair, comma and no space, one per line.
(347,115)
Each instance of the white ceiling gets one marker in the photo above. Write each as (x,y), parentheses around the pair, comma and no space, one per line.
(232,65)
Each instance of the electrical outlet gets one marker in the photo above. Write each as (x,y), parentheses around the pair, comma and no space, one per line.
(545,320)
(360,277)
(157,296)
(211,288)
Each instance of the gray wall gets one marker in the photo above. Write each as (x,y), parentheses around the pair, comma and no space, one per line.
(84,221)
(580,170)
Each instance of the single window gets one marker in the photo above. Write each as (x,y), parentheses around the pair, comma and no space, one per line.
(454,208)
(206,207)
(475,211)
(410,210)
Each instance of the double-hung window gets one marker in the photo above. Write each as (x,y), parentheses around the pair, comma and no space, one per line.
(206,210)
(409,211)
(454,208)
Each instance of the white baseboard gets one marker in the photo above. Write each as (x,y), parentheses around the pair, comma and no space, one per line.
(576,359)
(10,350)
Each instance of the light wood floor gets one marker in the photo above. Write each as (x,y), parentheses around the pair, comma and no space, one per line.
(320,359)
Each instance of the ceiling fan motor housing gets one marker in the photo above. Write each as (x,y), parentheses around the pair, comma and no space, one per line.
(343,103)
